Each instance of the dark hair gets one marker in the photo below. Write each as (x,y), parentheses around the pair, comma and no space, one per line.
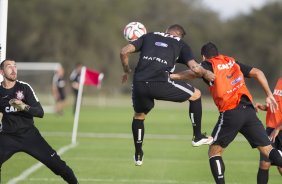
(209,50)
(178,28)
(2,63)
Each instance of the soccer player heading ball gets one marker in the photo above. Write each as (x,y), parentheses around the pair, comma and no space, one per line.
(159,52)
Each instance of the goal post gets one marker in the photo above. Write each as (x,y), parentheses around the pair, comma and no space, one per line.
(3,30)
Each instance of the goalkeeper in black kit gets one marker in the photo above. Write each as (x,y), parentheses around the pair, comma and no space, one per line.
(18,106)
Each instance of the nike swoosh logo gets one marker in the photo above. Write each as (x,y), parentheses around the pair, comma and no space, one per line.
(230,76)
(5,96)
(53,154)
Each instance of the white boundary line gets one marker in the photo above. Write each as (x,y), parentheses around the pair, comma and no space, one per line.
(239,138)
(29,171)
(36,166)
(100,180)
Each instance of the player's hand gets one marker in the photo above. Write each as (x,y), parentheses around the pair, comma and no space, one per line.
(274,134)
(18,104)
(259,106)
(209,76)
(271,103)
(124,78)
(126,72)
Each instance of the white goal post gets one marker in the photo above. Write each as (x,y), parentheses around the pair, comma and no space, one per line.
(3,28)
(37,66)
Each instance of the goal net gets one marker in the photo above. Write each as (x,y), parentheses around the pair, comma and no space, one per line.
(39,76)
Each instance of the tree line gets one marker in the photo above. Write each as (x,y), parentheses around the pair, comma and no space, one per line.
(91,32)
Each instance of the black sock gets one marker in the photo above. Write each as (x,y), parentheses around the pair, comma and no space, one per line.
(217,168)
(195,114)
(138,134)
(262,176)
(275,156)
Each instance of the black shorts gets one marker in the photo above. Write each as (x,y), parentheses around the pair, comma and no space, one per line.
(242,119)
(144,93)
(277,144)
(61,96)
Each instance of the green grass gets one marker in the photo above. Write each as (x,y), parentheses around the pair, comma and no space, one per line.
(104,154)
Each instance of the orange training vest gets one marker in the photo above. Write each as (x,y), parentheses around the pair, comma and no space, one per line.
(274,119)
(229,84)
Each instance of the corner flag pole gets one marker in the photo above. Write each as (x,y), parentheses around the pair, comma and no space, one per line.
(3,28)
(78,104)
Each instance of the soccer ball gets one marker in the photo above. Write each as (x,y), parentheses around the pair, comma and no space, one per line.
(133,31)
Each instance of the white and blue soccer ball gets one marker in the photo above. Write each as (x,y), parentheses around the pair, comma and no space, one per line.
(133,31)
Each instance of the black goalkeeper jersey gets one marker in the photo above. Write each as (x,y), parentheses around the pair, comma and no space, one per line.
(13,120)
(159,52)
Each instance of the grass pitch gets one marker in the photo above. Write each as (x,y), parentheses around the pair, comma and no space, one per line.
(104,153)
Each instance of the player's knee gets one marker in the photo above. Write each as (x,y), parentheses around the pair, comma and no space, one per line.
(58,166)
(55,164)
(196,95)
(215,150)
(265,150)
(264,165)
(140,116)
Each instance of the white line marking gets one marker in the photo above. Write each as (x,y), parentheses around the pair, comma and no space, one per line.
(100,180)
(35,167)
(239,137)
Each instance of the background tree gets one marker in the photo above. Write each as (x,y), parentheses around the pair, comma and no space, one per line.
(90,32)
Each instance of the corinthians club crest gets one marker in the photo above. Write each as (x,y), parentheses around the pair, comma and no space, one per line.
(20,95)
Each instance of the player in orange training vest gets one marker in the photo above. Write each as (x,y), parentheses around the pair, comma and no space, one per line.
(234,102)
(273,129)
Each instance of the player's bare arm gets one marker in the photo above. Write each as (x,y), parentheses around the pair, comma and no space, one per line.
(200,71)
(183,75)
(125,51)
(260,77)
(124,57)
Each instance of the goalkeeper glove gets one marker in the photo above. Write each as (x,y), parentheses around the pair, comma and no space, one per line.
(19,105)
